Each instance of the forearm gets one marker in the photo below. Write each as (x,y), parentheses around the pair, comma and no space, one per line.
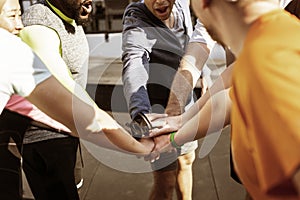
(135,76)
(112,136)
(83,117)
(181,88)
(187,76)
(213,117)
(135,91)
(119,137)
(222,82)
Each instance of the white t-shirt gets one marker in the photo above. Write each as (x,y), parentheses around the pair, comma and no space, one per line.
(216,62)
(20,69)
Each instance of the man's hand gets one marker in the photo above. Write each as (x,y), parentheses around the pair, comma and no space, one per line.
(171,124)
(148,143)
(162,144)
(157,120)
(142,124)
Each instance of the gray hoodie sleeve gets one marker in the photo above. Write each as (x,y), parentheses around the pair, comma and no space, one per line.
(136,48)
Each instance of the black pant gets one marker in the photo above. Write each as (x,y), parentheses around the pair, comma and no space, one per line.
(49,168)
(12,129)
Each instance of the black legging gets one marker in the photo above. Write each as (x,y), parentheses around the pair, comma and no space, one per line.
(10,161)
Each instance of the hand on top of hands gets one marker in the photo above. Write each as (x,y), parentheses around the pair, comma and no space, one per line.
(170,124)
(159,140)
(162,127)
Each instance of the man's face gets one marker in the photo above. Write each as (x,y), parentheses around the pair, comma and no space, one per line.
(160,8)
(10,16)
(79,10)
(207,19)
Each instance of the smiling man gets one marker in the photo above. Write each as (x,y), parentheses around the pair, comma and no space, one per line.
(53,30)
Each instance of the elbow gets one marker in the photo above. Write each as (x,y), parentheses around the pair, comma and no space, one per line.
(221,109)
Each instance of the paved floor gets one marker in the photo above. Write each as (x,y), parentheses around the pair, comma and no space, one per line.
(109,175)
(211,177)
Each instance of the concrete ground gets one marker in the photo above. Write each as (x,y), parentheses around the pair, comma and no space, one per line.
(109,175)
(106,177)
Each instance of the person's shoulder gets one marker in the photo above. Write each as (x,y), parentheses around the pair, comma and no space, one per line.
(35,13)
(138,15)
(134,15)
(36,9)
(135,9)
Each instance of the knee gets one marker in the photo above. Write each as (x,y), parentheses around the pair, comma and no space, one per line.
(186,160)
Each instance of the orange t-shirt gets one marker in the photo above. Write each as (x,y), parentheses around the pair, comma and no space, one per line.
(266,107)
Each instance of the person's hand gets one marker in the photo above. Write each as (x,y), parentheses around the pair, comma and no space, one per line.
(148,143)
(141,125)
(157,120)
(171,124)
(149,146)
(162,144)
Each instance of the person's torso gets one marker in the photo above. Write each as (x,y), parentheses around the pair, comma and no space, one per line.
(166,51)
(74,52)
(265,57)
(19,75)
(74,46)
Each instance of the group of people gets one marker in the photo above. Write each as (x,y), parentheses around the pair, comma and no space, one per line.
(44,75)
(163,58)
(157,71)
(258,96)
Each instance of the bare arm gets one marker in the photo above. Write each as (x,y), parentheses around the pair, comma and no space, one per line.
(223,82)
(214,115)
(186,77)
(80,114)
(220,85)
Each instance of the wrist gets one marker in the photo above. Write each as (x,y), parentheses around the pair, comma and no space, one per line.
(174,108)
(173,142)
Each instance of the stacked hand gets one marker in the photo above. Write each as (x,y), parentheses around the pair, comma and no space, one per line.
(160,134)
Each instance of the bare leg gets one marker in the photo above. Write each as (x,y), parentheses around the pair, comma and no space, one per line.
(185,176)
